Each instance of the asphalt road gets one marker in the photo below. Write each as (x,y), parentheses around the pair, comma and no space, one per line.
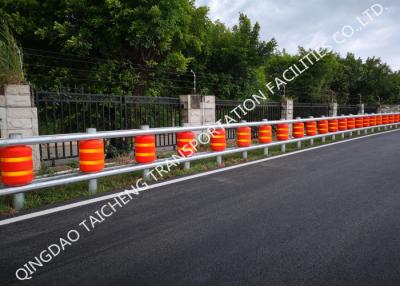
(330,216)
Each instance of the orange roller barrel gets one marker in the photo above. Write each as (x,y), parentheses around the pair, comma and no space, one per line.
(282,132)
(218,140)
(359,122)
(333,125)
(145,149)
(91,156)
(391,118)
(385,119)
(16,165)
(351,123)
(265,134)
(186,143)
(323,127)
(311,128)
(244,136)
(372,121)
(298,130)
(366,121)
(343,124)
(379,120)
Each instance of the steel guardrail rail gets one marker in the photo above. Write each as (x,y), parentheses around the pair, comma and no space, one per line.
(58,180)
(135,132)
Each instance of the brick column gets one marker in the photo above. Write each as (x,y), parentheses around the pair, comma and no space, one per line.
(18,115)
(197,110)
(333,108)
(287,111)
(361,108)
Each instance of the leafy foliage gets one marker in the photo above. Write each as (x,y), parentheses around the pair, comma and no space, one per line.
(148,47)
(10,58)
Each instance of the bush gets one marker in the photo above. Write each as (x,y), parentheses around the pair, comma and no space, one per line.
(10,58)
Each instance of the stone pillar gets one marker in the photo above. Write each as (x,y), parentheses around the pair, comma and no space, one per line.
(361,108)
(287,111)
(19,116)
(333,108)
(197,110)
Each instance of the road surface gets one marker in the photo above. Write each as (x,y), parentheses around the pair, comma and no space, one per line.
(330,216)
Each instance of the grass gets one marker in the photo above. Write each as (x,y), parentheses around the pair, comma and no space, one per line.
(10,58)
(64,193)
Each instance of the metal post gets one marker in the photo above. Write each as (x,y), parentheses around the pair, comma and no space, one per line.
(186,165)
(220,161)
(18,199)
(266,151)
(92,185)
(298,143)
(283,148)
(311,140)
(323,139)
(146,172)
(244,154)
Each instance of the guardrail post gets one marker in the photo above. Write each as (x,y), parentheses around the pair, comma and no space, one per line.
(186,165)
(146,172)
(266,151)
(299,143)
(323,139)
(244,153)
(311,140)
(18,199)
(93,182)
(220,161)
(283,148)
(359,131)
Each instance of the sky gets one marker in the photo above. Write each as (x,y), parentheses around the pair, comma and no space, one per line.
(309,23)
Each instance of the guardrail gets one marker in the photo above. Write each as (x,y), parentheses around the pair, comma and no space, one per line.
(322,124)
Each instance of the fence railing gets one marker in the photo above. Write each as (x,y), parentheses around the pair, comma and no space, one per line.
(310,109)
(391,120)
(66,112)
(268,110)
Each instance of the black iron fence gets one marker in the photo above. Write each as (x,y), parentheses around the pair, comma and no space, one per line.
(310,109)
(268,110)
(66,112)
(371,109)
(348,109)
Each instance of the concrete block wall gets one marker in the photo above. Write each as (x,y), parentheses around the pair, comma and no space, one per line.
(18,115)
(197,110)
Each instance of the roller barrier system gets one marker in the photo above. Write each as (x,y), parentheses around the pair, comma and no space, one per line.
(16,155)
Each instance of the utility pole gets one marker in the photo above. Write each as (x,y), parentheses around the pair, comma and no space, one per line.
(194,81)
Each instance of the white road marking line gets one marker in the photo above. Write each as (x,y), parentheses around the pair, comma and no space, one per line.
(166,183)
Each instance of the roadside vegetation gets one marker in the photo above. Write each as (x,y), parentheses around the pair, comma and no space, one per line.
(10,58)
(149,48)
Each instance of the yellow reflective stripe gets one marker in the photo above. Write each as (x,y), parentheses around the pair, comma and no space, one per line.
(145,145)
(244,141)
(218,144)
(16,160)
(298,133)
(91,163)
(185,140)
(244,133)
(218,136)
(16,174)
(264,131)
(266,138)
(91,151)
(144,154)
